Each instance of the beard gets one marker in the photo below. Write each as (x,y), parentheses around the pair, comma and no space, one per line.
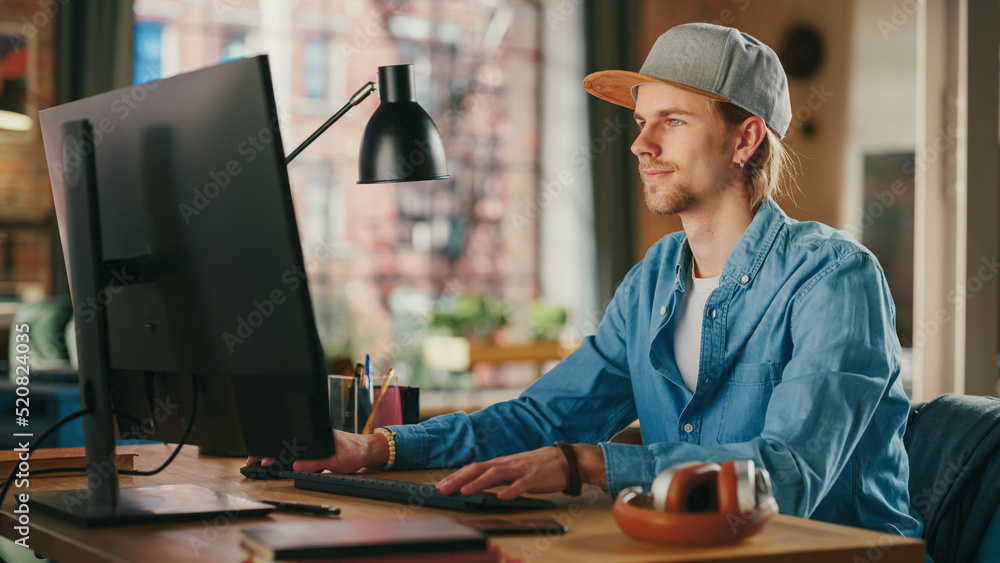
(669,196)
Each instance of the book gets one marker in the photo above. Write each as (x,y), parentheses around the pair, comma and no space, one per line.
(360,538)
(48,458)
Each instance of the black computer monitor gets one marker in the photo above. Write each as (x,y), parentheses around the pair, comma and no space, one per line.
(186,271)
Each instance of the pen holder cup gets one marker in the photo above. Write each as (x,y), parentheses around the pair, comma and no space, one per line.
(350,406)
(344,412)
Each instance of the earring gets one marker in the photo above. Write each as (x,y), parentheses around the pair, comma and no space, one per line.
(741,166)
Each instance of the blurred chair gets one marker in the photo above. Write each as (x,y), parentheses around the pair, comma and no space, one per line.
(45,339)
(953,444)
(52,380)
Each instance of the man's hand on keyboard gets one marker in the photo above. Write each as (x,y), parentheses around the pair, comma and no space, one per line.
(354,452)
(539,471)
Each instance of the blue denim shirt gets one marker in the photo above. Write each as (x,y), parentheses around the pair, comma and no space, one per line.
(799,372)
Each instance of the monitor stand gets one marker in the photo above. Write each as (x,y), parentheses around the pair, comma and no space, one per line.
(145,505)
(102,503)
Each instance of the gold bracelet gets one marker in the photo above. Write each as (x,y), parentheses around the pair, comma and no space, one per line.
(390,436)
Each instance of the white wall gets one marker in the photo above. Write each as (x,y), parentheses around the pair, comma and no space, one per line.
(882,105)
(567,253)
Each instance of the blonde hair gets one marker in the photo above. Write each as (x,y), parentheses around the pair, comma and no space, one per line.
(770,168)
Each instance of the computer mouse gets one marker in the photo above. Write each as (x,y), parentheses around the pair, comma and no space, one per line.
(257,471)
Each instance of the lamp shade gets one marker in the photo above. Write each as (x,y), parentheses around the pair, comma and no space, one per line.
(400,142)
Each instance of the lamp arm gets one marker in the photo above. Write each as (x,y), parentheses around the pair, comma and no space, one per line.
(356,99)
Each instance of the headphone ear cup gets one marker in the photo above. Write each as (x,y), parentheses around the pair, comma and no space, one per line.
(695,491)
(673,489)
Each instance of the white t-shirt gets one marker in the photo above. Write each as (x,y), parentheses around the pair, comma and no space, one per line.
(687,327)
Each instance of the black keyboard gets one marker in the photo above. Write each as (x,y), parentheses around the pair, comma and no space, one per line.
(411,494)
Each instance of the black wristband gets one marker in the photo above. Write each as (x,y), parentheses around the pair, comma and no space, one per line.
(574,487)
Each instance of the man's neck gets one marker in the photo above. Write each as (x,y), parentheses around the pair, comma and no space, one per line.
(713,230)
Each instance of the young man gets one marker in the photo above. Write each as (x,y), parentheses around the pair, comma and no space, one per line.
(747,336)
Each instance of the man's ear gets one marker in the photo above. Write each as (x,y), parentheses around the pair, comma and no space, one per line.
(752,132)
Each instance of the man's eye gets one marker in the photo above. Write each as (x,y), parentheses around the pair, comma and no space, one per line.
(676,122)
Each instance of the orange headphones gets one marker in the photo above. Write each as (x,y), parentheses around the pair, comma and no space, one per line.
(698,503)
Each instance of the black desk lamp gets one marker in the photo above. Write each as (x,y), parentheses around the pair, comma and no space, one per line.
(401,142)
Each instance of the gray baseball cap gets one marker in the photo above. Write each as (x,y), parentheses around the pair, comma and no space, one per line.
(719,62)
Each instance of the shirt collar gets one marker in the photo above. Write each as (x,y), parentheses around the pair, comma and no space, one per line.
(746,258)
(683,259)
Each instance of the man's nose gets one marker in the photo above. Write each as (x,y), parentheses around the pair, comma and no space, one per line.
(644,145)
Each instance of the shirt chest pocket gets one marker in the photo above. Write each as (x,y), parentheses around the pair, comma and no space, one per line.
(744,401)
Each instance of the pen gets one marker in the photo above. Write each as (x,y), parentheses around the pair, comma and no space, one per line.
(368,379)
(359,370)
(302,508)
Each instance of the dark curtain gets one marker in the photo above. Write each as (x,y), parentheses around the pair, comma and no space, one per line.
(611,29)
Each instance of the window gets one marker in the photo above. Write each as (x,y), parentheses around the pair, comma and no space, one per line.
(379,255)
(316,73)
(147,51)
(234,46)
(315,214)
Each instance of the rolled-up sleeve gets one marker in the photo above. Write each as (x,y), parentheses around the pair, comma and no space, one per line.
(585,398)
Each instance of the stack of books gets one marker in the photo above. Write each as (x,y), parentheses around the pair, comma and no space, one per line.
(413,540)
(47,458)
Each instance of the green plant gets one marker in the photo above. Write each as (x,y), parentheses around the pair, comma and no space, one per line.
(547,320)
(470,316)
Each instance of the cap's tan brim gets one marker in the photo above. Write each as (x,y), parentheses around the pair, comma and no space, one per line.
(615,86)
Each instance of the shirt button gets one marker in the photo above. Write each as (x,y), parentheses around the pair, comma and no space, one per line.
(713,313)
(745,279)
(689,428)
(663,310)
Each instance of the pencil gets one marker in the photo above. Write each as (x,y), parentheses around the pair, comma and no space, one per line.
(385,387)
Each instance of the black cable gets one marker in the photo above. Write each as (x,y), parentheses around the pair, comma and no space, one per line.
(48,432)
(177,450)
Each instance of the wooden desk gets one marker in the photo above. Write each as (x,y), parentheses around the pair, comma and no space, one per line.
(593,534)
